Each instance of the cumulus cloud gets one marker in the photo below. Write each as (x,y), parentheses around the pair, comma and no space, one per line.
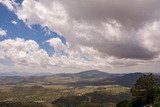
(57,44)
(151,35)
(111,33)
(107,26)
(3,32)
(10,4)
(23,52)
(14,22)
(27,54)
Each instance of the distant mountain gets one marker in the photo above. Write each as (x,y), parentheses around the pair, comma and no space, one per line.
(128,79)
(52,79)
(85,78)
(14,73)
(93,74)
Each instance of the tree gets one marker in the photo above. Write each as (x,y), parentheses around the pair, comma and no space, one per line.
(144,89)
(157,102)
(129,103)
(124,103)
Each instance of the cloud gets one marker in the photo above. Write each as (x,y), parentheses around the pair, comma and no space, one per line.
(107,26)
(14,22)
(99,34)
(10,4)
(3,32)
(26,54)
(129,13)
(151,36)
(57,44)
(23,52)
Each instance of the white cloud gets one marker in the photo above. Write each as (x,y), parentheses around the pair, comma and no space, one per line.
(23,52)
(100,34)
(14,22)
(27,54)
(151,36)
(57,44)
(3,32)
(57,15)
(10,4)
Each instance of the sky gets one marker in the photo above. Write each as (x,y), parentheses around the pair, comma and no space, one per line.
(74,35)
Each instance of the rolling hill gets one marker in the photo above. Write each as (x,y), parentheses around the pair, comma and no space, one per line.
(90,77)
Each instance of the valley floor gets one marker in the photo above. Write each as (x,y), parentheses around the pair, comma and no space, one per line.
(63,95)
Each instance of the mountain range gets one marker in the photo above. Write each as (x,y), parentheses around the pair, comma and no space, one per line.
(84,78)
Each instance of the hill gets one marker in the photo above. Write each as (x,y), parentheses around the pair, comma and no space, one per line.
(96,99)
(85,78)
(93,74)
(128,80)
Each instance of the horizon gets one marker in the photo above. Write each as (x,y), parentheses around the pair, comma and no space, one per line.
(14,73)
(67,36)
